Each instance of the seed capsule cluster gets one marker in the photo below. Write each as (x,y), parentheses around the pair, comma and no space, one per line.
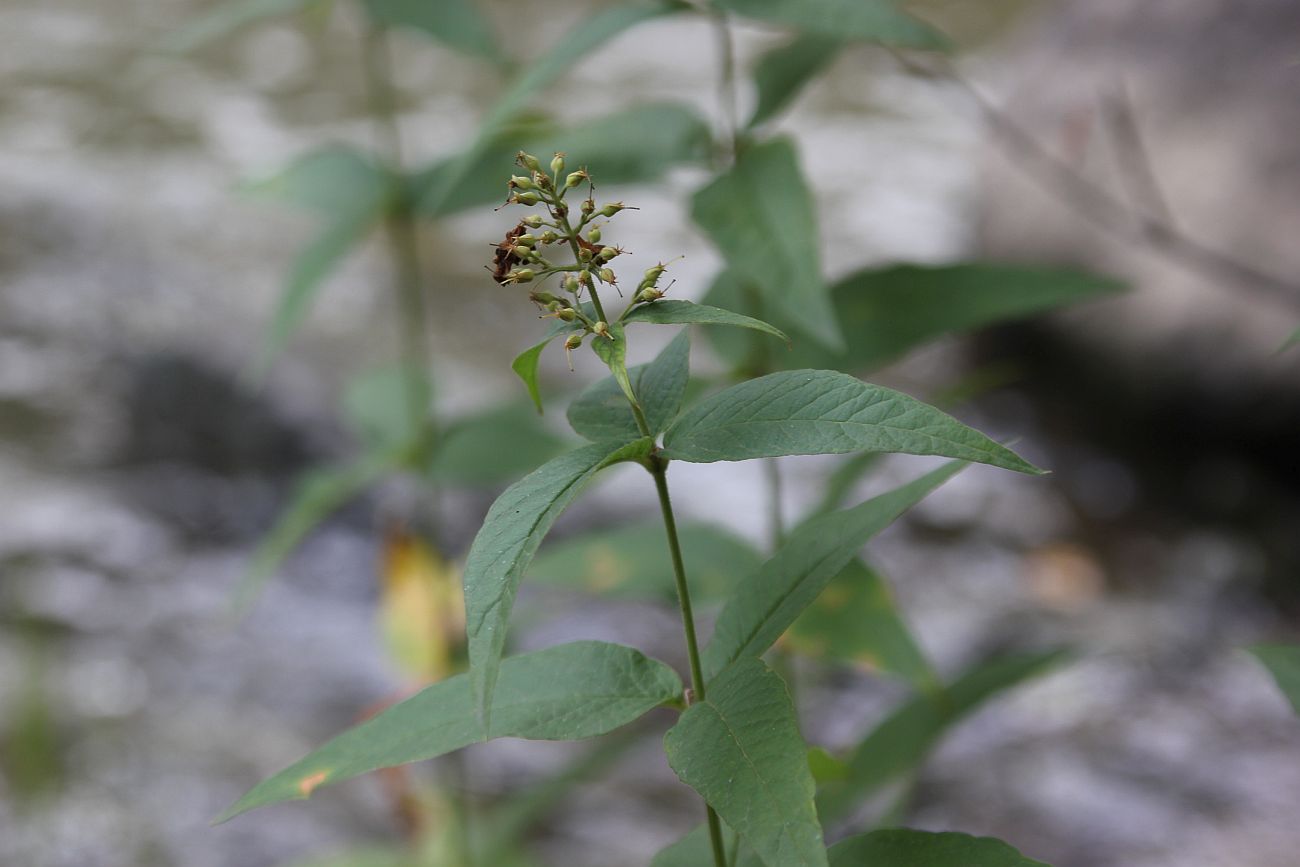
(522,256)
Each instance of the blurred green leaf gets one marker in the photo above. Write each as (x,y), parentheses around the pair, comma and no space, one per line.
(492,446)
(225,19)
(387,407)
(768,601)
(319,494)
(676,312)
(633,561)
(855,620)
(693,850)
(841,482)
(632,145)
(905,848)
(601,412)
(593,31)
(760,215)
(887,312)
(784,71)
(568,692)
(514,527)
(459,24)
(809,412)
(900,743)
(741,750)
(325,180)
(1283,662)
(1291,341)
(879,21)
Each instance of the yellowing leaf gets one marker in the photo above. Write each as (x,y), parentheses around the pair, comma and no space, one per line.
(421,608)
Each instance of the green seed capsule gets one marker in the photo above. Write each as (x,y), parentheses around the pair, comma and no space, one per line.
(532,221)
(587,207)
(594,235)
(566,314)
(557,165)
(611,209)
(520,182)
(543,298)
(574,179)
(549,237)
(607,253)
(574,341)
(649,294)
(607,275)
(525,240)
(571,284)
(652,274)
(600,329)
(528,198)
(528,161)
(521,275)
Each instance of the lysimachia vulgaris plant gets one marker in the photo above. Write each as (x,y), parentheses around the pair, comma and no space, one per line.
(737,741)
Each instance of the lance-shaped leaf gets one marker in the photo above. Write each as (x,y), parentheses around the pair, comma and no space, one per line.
(602,413)
(613,351)
(459,24)
(900,743)
(1283,662)
(633,561)
(855,620)
(822,412)
(766,603)
(492,446)
(906,848)
(568,692)
(782,72)
(631,145)
(593,31)
(514,527)
(677,312)
(693,850)
(742,751)
(760,215)
(526,363)
(879,21)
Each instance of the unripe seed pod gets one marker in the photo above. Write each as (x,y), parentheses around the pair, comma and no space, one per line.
(652,274)
(587,207)
(649,294)
(574,179)
(525,240)
(571,284)
(566,314)
(557,165)
(594,235)
(611,209)
(549,237)
(543,298)
(607,275)
(528,161)
(528,198)
(573,342)
(607,253)
(532,221)
(600,329)
(521,183)
(521,275)
(584,254)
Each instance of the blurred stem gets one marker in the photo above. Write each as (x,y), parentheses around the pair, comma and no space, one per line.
(400,223)
(727,98)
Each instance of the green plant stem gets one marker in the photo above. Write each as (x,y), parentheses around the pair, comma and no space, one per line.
(399,224)
(572,235)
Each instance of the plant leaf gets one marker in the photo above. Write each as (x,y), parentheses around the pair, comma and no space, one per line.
(677,312)
(809,412)
(613,351)
(506,543)
(492,446)
(325,180)
(906,848)
(317,495)
(378,406)
(868,20)
(760,215)
(1283,662)
(629,146)
(459,24)
(900,743)
(768,601)
(633,561)
(225,19)
(693,850)
(601,411)
(742,751)
(568,692)
(784,71)
(855,620)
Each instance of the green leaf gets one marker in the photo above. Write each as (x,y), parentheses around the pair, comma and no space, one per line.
(525,365)
(459,24)
(677,312)
(742,751)
(888,312)
(492,446)
(782,72)
(568,692)
(602,413)
(1283,662)
(226,19)
(760,215)
(905,848)
(378,405)
(325,180)
(768,601)
(613,351)
(319,494)
(868,20)
(514,527)
(900,743)
(629,146)
(593,31)
(845,477)
(810,412)
(633,561)
(855,620)
(693,850)
(1291,341)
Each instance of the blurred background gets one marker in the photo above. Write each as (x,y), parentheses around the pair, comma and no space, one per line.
(150,442)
